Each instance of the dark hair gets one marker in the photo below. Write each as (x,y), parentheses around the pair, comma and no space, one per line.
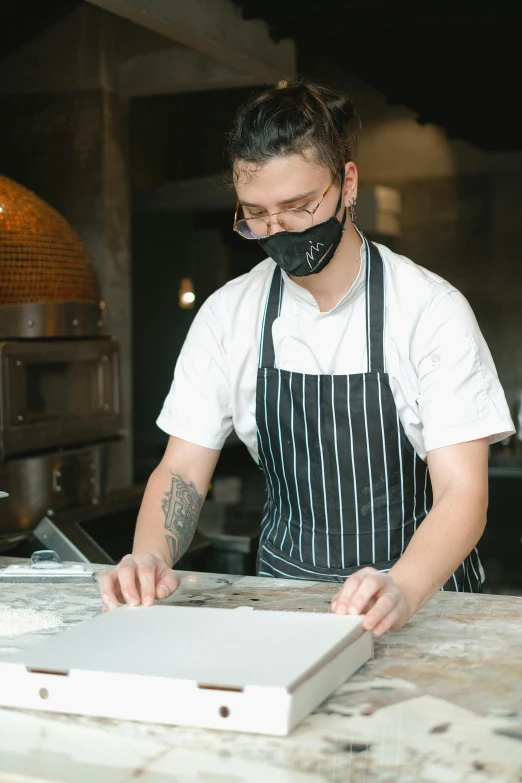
(295,117)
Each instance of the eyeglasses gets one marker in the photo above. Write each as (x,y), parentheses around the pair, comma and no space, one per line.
(294,219)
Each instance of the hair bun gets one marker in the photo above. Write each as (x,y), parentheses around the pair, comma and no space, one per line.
(296,117)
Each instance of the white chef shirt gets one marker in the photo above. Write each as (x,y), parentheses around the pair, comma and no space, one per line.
(441,372)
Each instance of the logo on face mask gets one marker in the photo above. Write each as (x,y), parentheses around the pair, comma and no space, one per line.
(310,256)
(311,251)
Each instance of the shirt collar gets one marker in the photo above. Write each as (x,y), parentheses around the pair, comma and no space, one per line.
(306,298)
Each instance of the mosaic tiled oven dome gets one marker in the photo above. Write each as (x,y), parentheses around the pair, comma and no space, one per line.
(42,259)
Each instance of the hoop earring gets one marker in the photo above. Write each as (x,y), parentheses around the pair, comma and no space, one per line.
(353,202)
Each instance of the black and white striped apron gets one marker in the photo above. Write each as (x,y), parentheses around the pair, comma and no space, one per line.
(345,487)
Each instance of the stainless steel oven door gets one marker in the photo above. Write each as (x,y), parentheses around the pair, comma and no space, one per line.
(57,393)
(49,483)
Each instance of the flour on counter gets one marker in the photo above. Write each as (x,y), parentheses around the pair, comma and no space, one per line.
(14,622)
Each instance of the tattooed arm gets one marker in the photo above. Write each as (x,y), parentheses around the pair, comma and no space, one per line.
(181,506)
(166,524)
(175,493)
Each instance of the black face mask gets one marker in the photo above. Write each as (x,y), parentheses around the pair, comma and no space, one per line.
(307,252)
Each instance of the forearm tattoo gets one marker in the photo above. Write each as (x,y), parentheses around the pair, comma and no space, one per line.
(181,506)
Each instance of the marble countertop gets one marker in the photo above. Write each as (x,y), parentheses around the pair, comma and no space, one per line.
(441,701)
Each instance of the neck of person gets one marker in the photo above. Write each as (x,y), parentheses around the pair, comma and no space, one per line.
(333,282)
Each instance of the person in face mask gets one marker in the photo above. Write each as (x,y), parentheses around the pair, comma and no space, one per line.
(301,236)
(359,381)
(293,249)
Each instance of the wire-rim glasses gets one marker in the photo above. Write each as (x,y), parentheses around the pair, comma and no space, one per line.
(295,219)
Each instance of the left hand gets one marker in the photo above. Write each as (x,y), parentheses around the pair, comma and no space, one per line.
(374,594)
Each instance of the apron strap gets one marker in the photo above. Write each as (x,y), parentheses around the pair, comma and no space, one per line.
(272,311)
(374,308)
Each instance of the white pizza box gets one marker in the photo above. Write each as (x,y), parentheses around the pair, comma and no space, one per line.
(240,670)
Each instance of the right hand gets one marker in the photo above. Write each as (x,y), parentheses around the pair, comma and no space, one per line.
(137,579)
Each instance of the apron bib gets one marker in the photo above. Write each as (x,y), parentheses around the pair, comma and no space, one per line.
(345,487)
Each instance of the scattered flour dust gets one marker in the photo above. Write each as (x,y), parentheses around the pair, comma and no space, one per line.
(14,622)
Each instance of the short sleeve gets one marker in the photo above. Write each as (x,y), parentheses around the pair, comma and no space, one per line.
(198,405)
(460,396)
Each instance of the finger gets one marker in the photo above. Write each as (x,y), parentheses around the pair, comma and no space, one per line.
(388,622)
(146,579)
(107,586)
(342,599)
(335,600)
(369,588)
(357,591)
(127,579)
(335,605)
(167,583)
(118,593)
(385,604)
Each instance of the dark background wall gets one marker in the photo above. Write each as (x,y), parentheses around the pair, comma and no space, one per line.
(466,228)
